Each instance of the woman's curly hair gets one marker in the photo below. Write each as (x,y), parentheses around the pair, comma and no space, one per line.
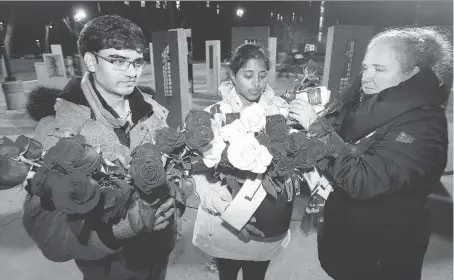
(424,47)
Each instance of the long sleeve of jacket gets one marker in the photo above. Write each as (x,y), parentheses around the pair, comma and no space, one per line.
(390,163)
(51,232)
(213,196)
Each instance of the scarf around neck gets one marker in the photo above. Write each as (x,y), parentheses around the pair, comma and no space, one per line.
(100,113)
(232,98)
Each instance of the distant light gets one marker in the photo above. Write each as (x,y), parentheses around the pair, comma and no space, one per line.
(208,4)
(158,4)
(37,41)
(80,15)
(239,12)
(271,14)
(126,3)
(177,4)
(50,26)
(217,9)
(142,4)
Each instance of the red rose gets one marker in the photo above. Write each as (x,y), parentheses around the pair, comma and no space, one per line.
(12,172)
(38,186)
(264,139)
(72,154)
(146,150)
(9,150)
(74,193)
(168,139)
(198,116)
(32,148)
(5,140)
(285,166)
(310,154)
(276,127)
(198,136)
(277,150)
(147,173)
(295,142)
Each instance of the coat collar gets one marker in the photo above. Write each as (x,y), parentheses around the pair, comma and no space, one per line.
(139,107)
(422,89)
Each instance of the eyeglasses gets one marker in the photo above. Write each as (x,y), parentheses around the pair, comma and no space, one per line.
(121,64)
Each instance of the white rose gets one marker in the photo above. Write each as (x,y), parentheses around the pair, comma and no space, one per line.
(247,154)
(213,156)
(236,129)
(225,108)
(253,117)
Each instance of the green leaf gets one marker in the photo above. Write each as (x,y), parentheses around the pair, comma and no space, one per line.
(269,186)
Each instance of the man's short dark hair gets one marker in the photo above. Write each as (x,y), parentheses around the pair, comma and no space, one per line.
(111,31)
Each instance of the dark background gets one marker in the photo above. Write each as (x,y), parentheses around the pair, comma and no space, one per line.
(206,24)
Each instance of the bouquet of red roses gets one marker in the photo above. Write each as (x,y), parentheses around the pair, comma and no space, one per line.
(250,143)
(17,160)
(319,97)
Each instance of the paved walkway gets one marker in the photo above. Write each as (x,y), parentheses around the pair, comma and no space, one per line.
(20,259)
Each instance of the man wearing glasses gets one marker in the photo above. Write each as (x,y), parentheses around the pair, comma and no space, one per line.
(111,111)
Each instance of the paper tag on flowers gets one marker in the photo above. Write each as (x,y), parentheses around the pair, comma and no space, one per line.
(318,184)
(245,203)
(316,96)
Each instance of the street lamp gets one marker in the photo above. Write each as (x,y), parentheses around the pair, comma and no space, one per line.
(240,12)
(80,15)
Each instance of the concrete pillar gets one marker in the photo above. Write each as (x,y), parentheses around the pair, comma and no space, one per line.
(345,50)
(153,82)
(213,65)
(272,47)
(3,68)
(56,49)
(190,61)
(170,53)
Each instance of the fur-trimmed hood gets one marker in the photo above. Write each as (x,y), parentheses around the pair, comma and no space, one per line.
(42,99)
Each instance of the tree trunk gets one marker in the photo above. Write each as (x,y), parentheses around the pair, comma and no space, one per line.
(10,27)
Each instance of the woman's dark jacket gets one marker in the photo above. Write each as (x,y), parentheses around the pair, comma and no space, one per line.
(381,180)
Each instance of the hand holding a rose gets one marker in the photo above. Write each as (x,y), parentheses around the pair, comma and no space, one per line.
(302,112)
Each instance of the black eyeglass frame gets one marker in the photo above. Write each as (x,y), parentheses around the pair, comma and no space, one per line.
(138,66)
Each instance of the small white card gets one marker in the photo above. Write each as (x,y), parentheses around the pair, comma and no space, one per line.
(318,184)
(245,203)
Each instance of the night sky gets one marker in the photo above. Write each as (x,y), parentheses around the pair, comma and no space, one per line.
(207,25)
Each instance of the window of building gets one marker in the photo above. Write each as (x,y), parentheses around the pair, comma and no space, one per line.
(250,41)
(158,4)
(208,4)
(177,4)
(217,9)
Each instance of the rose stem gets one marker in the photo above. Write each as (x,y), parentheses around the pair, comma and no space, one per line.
(24,160)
